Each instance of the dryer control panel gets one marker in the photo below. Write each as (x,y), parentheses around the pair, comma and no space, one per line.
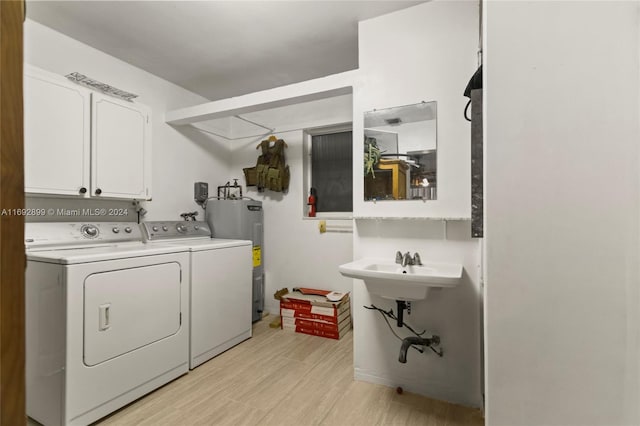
(172,230)
(53,234)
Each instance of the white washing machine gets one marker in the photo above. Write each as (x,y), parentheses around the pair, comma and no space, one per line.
(221,286)
(106,319)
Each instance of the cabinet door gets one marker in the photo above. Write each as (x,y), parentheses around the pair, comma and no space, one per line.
(121,148)
(56,134)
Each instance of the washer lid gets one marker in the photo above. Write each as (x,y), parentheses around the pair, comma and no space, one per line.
(209,244)
(102,253)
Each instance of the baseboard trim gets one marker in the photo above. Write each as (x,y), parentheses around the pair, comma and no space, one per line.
(433,390)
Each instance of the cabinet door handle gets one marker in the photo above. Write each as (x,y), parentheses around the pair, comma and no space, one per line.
(83,190)
(98,191)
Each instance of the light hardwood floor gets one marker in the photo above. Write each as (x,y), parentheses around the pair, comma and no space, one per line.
(283,378)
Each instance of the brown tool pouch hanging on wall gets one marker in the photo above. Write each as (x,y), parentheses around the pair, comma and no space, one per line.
(250,176)
(262,172)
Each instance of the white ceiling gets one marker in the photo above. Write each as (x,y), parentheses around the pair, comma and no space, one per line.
(220,49)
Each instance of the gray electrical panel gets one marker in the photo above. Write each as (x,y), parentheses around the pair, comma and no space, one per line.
(200,192)
(242,220)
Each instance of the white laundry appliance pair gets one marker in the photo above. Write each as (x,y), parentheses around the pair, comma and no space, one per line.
(221,272)
(106,319)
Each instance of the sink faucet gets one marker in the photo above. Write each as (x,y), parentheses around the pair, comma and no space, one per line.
(406,259)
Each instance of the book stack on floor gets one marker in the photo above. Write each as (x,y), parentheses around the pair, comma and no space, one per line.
(316,312)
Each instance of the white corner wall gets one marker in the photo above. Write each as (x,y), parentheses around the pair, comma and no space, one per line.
(295,253)
(423,53)
(180,155)
(562,211)
(427,52)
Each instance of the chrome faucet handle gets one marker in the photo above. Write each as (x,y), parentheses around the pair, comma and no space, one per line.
(398,257)
(407,259)
(416,259)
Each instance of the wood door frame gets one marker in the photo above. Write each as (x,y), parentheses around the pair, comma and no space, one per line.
(12,254)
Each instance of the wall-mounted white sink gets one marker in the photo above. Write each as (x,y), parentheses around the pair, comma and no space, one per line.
(390,280)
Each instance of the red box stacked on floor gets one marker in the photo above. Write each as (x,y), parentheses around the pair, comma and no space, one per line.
(308,311)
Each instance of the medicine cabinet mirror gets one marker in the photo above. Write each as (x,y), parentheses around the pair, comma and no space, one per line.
(400,160)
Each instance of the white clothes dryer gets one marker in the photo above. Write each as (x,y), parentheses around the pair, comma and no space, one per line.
(106,319)
(221,286)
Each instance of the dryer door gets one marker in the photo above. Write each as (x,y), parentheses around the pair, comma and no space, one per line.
(129,308)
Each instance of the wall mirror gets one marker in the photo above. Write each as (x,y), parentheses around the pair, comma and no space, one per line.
(400,160)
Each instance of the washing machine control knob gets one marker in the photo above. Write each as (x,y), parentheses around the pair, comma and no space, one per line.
(181,228)
(127,230)
(165,229)
(115,229)
(89,231)
(155,228)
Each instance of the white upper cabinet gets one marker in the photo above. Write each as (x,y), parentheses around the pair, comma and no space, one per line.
(84,143)
(120,142)
(56,135)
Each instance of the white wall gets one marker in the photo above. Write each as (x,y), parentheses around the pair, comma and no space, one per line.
(181,155)
(427,52)
(423,53)
(295,253)
(562,211)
